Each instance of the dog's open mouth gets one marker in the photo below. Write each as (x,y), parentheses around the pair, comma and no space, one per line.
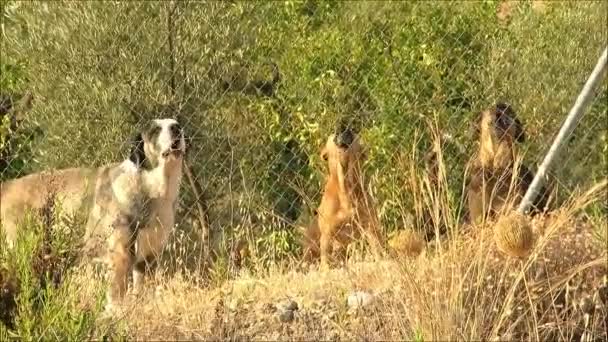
(176,152)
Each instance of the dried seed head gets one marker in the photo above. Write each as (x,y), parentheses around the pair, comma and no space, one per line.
(513,235)
(407,243)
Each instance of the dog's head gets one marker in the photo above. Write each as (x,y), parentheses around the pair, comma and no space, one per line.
(342,149)
(162,140)
(501,122)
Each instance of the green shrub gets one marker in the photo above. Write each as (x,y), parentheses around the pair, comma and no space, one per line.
(42,295)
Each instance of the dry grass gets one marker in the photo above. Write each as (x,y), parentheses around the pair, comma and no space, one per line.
(465,290)
(462,288)
(457,287)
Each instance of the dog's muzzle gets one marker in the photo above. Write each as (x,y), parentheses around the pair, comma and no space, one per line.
(172,152)
(176,148)
(344,138)
(176,145)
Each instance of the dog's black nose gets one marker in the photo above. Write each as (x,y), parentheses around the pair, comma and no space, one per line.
(344,138)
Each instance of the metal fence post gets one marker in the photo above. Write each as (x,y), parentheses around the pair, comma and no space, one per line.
(577,111)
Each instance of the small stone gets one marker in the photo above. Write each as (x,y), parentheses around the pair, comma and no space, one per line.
(286,316)
(359,299)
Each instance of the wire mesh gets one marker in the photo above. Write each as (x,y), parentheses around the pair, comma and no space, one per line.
(259,86)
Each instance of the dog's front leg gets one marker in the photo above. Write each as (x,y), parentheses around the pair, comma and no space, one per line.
(346,209)
(140,269)
(325,245)
(150,242)
(325,241)
(120,259)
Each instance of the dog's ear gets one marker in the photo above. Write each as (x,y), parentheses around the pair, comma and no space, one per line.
(324,154)
(138,154)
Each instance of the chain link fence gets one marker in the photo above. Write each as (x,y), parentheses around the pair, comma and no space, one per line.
(259,86)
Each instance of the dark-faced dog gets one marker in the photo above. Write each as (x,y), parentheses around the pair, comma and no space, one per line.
(496,180)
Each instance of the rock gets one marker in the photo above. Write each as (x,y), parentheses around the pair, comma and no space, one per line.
(286,316)
(359,299)
(290,305)
(286,310)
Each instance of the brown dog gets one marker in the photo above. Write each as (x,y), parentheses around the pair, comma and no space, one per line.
(495,180)
(346,210)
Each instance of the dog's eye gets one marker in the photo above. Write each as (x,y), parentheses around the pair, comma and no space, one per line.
(154,131)
(501,120)
(324,156)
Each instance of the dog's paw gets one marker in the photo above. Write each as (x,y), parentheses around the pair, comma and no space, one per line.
(108,313)
(324,266)
(135,292)
(113,311)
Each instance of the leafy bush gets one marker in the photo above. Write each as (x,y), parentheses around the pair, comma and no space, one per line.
(385,68)
(42,295)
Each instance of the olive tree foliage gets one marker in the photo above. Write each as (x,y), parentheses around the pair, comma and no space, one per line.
(259,86)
